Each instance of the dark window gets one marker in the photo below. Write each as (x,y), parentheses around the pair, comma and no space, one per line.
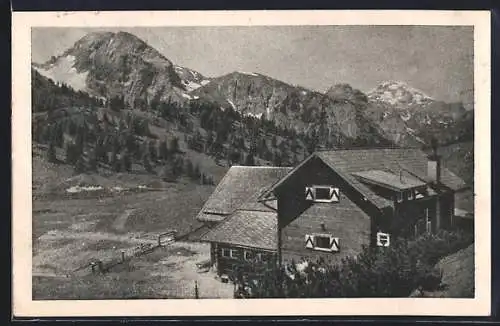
(249,255)
(322,193)
(322,242)
(226,252)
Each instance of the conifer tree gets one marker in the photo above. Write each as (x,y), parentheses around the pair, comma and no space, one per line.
(152,150)
(51,153)
(168,174)
(189,168)
(163,150)
(250,160)
(126,161)
(196,172)
(146,163)
(80,165)
(174,145)
(92,161)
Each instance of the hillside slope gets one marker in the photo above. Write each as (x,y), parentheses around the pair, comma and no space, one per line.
(240,117)
(458,275)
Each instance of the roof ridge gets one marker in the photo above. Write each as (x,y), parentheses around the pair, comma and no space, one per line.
(367,148)
(260,167)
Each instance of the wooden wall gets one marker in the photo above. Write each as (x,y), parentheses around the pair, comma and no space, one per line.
(349,219)
(225,265)
(410,212)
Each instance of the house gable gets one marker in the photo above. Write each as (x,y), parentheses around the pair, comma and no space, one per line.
(351,218)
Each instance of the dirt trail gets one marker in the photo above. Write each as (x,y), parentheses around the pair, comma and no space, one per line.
(185,273)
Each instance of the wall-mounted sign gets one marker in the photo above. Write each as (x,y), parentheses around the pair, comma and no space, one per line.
(322,194)
(383,239)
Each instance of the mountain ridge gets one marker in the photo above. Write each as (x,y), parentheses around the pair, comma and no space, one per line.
(119,64)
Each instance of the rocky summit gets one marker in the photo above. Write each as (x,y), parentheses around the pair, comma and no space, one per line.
(107,64)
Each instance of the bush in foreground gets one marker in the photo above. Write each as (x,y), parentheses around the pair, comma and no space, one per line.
(376,272)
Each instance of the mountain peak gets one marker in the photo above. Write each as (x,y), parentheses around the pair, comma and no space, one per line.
(110,64)
(345,92)
(399,93)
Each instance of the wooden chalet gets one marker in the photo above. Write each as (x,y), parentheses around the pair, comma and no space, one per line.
(330,205)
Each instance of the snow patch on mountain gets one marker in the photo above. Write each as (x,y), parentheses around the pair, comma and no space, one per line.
(405,116)
(232,104)
(65,72)
(190,86)
(399,93)
(248,73)
(255,115)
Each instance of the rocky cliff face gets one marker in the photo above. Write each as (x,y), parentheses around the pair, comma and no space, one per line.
(330,117)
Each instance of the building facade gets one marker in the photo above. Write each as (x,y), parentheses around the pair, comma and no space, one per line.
(334,203)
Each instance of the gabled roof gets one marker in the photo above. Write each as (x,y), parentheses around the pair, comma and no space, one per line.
(238,187)
(246,228)
(393,160)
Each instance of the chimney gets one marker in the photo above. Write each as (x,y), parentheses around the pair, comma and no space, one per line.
(434,173)
(434,164)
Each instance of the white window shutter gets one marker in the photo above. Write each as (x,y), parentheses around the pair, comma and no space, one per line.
(334,244)
(309,241)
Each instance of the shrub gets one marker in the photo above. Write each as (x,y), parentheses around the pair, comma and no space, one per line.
(376,272)
(430,248)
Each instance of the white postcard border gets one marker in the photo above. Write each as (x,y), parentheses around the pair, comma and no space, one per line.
(24,306)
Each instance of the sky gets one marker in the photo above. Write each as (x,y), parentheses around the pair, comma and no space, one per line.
(435,59)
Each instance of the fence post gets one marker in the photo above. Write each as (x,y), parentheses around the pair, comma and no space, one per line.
(123,255)
(196,294)
(159,240)
(92,265)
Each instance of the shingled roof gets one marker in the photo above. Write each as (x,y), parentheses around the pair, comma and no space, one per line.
(347,163)
(246,228)
(238,188)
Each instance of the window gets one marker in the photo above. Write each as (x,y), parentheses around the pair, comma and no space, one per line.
(411,194)
(322,194)
(321,242)
(383,239)
(226,252)
(428,220)
(229,253)
(249,255)
(399,197)
(420,193)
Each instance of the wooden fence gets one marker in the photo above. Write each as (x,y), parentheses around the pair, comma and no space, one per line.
(98,266)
